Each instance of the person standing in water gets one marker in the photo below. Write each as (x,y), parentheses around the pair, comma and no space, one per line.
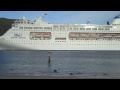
(49,57)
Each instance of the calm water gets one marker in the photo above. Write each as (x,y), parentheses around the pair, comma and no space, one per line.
(67,63)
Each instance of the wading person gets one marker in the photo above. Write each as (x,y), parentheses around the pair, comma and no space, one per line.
(49,56)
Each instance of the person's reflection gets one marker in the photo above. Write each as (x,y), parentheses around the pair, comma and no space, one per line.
(49,69)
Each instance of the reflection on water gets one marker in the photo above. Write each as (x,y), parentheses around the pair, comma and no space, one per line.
(77,63)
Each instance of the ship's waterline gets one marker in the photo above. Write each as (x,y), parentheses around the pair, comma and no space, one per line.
(39,35)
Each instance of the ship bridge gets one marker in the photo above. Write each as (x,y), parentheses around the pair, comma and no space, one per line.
(116,21)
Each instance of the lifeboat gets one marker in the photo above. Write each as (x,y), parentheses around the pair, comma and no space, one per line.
(74,35)
(94,35)
(117,35)
(84,35)
(106,35)
(38,35)
(46,35)
(114,35)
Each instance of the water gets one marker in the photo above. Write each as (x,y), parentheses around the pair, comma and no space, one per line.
(63,63)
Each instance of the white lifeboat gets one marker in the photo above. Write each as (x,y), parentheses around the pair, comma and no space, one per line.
(84,35)
(74,35)
(106,35)
(46,35)
(94,35)
(117,35)
(38,35)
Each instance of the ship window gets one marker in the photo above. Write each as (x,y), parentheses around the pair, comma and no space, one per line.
(27,27)
(107,29)
(70,28)
(100,29)
(47,27)
(20,27)
(94,28)
(88,28)
(82,28)
(74,28)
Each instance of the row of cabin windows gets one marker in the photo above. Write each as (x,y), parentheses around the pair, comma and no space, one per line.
(53,43)
(38,43)
(81,28)
(59,30)
(115,24)
(23,22)
(93,44)
(35,27)
(78,26)
(93,39)
(35,41)
(59,41)
(26,41)
(64,28)
(71,40)
(97,40)
(57,44)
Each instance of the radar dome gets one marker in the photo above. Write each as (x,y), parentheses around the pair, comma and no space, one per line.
(116,20)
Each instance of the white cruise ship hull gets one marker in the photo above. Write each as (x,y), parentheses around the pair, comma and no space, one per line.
(39,35)
(75,45)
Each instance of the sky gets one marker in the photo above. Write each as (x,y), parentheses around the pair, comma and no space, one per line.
(61,17)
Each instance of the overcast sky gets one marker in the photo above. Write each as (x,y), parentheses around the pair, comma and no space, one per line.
(76,17)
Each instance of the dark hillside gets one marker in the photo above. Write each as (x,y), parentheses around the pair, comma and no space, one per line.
(5,24)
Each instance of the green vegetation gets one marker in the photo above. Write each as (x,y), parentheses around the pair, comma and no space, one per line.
(5,24)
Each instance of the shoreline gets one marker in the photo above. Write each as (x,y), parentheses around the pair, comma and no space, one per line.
(35,77)
(53,77)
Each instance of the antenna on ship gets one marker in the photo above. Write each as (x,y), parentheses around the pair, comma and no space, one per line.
(108,23)
(44,15)
(88,22)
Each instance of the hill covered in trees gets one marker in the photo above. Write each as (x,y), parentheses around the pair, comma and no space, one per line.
(5,24)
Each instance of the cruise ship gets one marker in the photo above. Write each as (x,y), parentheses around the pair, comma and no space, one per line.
(38,35)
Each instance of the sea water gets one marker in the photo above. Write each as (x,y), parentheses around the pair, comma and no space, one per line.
(62,63)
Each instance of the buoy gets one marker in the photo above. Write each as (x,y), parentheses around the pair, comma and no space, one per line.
(95,75)
(11,69)
(71,73)
(104,74)
(55,70)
